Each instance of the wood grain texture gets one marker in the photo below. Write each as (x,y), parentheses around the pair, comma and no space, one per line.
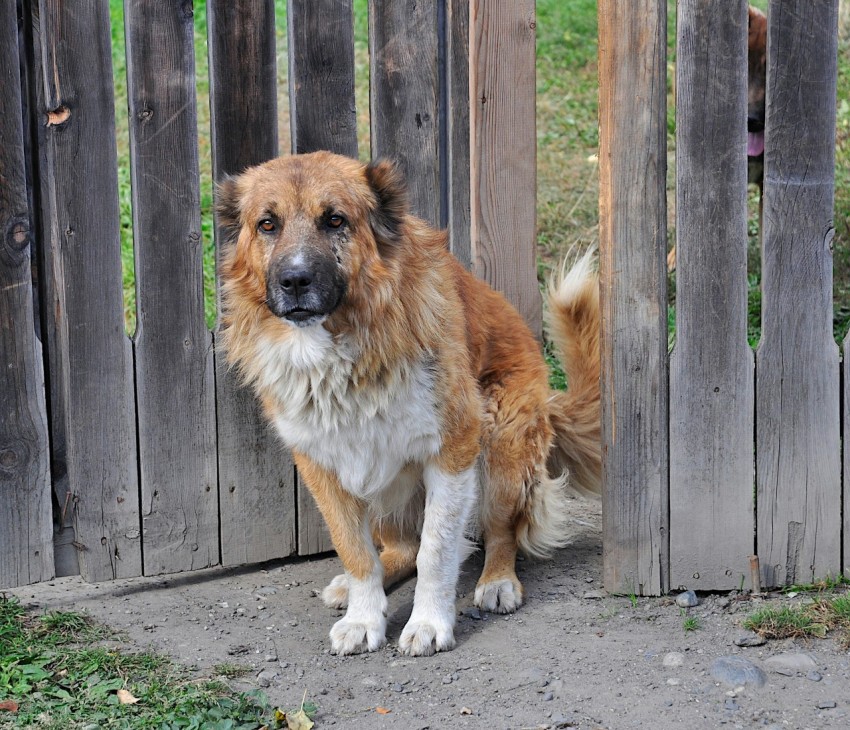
(503,152)
(712,469)
(175,387)
(26,528)
(51,310)
(256,476)
(632,232)
(404,93)
(797,394)
(92,355)
(321,76)
(323,117)
(456,176)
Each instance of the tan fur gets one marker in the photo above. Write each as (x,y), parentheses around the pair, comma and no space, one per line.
(408,299)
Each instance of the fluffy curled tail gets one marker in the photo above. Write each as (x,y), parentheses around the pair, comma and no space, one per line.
(573,325)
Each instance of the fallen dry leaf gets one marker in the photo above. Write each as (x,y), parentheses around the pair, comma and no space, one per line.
(126,698)
(9,706)
(298,720)
(382,711)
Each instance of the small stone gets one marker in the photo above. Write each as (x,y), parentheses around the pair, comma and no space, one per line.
(674,681)
(814,676)
(265,591)
(397,687)
(594,595)
(826,705)
(588,580)
(549,696)
(270,658)
(369,682)
(673,659)
(736,670)
(465,711)
(687,599)
(472,612)
(750,640)
(447,679)
(668,703)
(723,602)
(789,663)
(731,705)
(266,677)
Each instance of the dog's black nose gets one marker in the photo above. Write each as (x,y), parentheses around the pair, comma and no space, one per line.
(754,124)
(296,280)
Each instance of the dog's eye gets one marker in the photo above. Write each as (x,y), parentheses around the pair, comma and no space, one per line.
(335,221)
(267,225)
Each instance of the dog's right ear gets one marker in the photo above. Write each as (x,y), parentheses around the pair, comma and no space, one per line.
(227,208)
(387,218)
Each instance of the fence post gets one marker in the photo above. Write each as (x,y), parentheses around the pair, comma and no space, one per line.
(712,473)
(503,151)
(632,232)
(26,526)
(256,474)
(798,443)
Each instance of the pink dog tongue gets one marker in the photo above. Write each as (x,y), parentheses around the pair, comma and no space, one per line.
(755,144)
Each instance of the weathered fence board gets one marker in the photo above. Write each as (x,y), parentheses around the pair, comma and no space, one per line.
(256,475)
(79,195)
(26,526)
(404,90)
(456,174)
(711,367)
(323,117)
(321,76)
(503,175)
(632,233)
(175,390)
(797,393)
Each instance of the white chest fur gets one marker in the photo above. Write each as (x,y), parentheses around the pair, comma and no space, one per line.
(365,433)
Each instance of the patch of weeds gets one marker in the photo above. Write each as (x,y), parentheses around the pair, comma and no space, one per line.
(557,377)
(812,619)
(57,676)
(820,585)
(691,623)
(231,671)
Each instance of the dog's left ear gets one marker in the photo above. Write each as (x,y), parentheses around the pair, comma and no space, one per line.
(227,208)
(387,218)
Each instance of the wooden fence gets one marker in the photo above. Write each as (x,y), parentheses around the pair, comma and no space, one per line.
(716,453)
(123,457)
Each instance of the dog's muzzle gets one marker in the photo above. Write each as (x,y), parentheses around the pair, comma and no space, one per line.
(304,290)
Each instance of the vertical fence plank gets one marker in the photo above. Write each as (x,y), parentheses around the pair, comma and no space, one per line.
(321,76)
(404,92)
(712,475)
(26,528)
(456,176)
(503,151)
(323,117)
(174,365)
(632,232)
(797,395)
(93,356)
(256,475)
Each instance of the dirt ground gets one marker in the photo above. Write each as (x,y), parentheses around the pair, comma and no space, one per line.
(570,657)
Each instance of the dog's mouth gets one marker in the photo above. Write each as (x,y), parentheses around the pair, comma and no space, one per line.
(303,317)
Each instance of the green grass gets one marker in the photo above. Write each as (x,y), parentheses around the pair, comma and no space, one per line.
(691,623)
(61,676)
(816,617)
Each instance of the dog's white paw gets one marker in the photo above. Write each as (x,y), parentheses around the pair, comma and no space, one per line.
(498,596)
(335,594)
(353,636)
(424,637)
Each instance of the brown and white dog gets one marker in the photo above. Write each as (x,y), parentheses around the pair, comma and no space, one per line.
(414,398)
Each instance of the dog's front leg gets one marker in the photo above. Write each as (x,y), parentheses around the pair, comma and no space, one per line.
(364,626)
(448,504)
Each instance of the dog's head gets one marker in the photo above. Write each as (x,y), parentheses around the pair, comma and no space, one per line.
(300,230)
(756,81)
